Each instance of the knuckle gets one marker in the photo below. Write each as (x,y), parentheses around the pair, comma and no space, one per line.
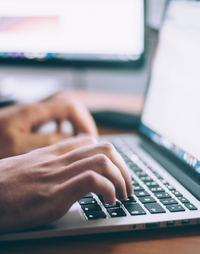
(89,138)
(31,109)
(108,147)
(49,166)
(70,98)
(27,109)
(102,160)
(90,177)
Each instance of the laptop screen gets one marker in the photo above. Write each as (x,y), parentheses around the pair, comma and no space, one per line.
(171,115)
(72,29)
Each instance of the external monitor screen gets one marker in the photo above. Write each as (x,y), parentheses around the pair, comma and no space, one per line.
(72,29)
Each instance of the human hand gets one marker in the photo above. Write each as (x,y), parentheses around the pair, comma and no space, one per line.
(17,123)
(39,187)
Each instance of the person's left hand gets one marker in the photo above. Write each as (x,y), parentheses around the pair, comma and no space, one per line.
(17,123)
(39,187)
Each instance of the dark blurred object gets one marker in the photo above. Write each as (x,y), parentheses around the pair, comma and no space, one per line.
(7,103)
(118,120)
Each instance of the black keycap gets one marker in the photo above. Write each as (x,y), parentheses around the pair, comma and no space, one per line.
(145,200)
(95,215)
(157,189)
(151,184)
(131,164)
(135,209)
(183,200)
(122,154)
(177,193)
(89,208)
(141,174)
(162,195)
(118,212)
(101,198)
(168,201)
(86,201)
(134,182)
(175,208)
(163,181)
(156,174)
(125,149)
(155,208)
(137,170)
(129,200)
(138,188)
(126,158)
(141,193)
(111,206)
(170,187)
(146,179)
(89,195)
(191,206)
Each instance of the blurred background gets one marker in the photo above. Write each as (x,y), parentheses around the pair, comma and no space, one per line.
(102,50)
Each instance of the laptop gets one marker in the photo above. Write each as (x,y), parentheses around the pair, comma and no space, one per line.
(164,159)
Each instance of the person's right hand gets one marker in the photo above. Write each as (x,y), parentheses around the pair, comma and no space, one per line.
(40,186)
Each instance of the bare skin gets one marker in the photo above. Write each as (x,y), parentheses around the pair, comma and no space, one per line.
(40,186)
(17,123)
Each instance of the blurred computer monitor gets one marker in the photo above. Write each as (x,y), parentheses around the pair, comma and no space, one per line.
(58,31)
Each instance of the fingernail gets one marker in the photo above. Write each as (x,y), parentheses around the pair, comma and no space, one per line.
(132,192)
(111,202)
(123,198)
(114,203)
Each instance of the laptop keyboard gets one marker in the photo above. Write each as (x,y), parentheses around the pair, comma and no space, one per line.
(152,193)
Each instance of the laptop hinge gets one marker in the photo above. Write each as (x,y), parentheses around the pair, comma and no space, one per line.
(172,168)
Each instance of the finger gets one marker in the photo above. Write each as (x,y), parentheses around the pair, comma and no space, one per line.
(62,106)
(89,181)
(72,143)
(101,148)
(82,120)
(33,141)
(99,164)
(65,105)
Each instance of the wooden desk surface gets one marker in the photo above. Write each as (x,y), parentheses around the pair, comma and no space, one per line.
(184,240)
(161,241)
